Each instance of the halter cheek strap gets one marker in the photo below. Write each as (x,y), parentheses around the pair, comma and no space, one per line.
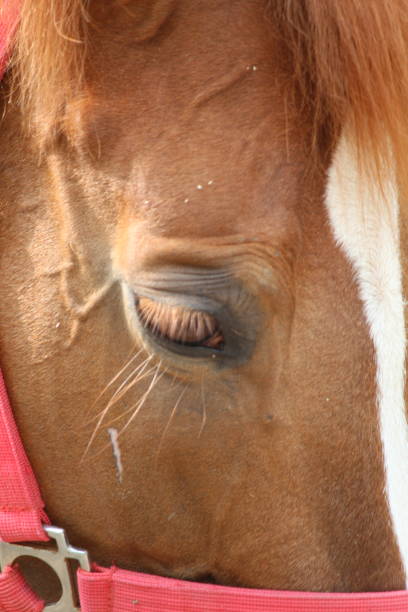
(21,507)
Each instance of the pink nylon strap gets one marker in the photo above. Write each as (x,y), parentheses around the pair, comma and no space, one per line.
(15,595)
(114,590)
(21,507)
(9,17)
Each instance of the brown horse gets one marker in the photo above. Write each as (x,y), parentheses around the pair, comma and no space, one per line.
(202,258)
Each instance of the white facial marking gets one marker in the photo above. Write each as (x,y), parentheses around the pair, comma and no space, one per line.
(113,434)
(364,221)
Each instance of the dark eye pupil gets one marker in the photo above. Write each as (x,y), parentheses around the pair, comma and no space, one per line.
(180,325)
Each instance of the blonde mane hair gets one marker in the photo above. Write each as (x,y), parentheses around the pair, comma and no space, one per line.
(48,61)
(349,61)
(350,65)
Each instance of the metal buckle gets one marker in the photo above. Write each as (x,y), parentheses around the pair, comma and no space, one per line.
(56,559)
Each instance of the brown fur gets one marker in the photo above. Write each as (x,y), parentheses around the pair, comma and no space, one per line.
(263,472)
(349,65)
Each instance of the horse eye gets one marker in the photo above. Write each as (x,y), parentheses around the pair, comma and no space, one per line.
(180,325)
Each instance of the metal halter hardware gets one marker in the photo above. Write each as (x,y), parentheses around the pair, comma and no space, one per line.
(56,559)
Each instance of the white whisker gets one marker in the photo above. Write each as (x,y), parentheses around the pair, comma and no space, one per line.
(170,420)
(204,419)
(143,399)
(113,400)
(139,378)
(110,383)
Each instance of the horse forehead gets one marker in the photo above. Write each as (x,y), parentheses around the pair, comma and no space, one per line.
(210,67)
(170,22)
(213,145)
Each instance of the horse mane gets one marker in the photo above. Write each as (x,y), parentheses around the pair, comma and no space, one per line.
(349,62)
(350,65)
(48,60)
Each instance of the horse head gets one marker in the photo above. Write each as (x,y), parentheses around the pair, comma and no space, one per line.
(202,297)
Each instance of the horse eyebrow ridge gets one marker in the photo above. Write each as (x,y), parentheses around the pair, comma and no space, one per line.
(347,61)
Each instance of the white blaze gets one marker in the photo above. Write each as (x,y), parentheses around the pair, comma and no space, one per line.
(364,221)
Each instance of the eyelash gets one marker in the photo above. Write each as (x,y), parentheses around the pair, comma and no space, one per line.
(180,325)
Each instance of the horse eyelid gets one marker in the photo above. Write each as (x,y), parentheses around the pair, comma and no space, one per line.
(180,325)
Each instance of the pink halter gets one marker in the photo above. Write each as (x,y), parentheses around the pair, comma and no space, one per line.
(22,519)
(9,17)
